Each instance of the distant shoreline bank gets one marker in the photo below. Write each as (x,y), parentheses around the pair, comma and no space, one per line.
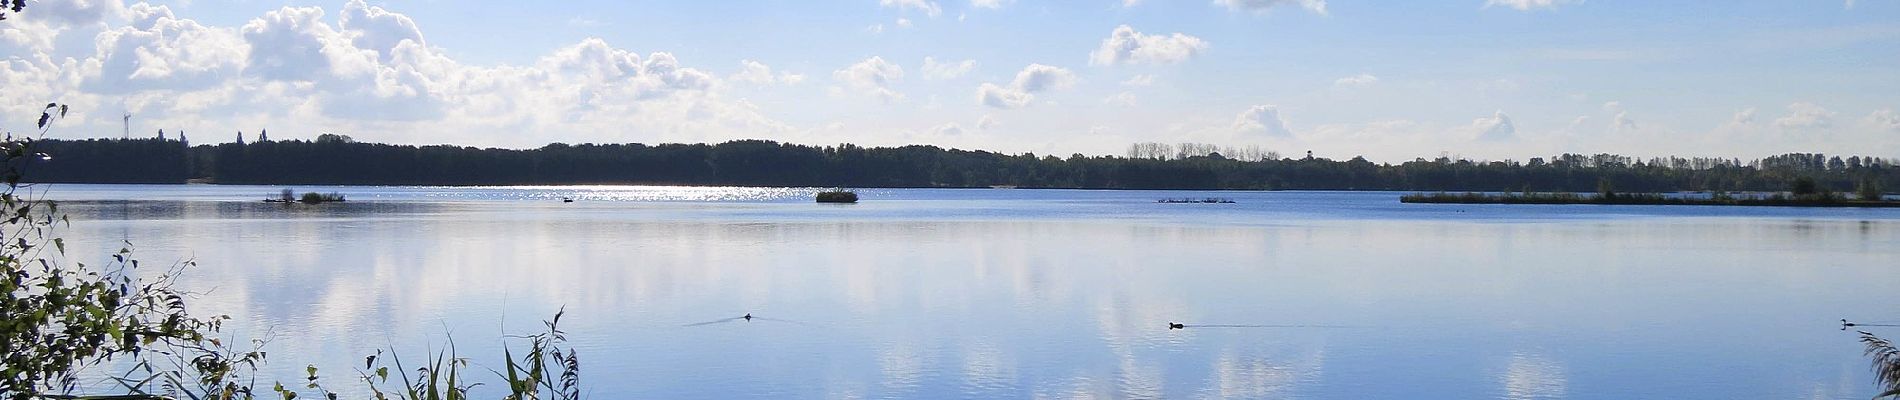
(1644,199)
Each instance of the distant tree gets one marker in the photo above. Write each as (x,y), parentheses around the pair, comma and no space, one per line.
(334,138)
(1605,190)
(240,138)
(263,135)
(1869,190)
(1804,186)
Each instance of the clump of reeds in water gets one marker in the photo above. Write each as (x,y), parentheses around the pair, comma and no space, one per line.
(546,368)
(288,197)
(314,197)
(837,196)
(1886,363)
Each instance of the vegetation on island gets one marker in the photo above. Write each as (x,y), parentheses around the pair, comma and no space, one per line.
(339,160)
(287,196)
(837,196)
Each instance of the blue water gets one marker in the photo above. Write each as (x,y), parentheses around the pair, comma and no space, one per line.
(928,293)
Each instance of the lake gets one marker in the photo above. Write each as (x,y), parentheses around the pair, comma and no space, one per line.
(990,293)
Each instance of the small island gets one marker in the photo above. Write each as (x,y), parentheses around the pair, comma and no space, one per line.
(1803,193)
(837,196)
(287,197)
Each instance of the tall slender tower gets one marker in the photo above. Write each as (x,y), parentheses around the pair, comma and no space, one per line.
(128,127)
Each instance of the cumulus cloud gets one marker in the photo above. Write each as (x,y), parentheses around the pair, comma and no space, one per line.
(1527,5)
(934,70)
(873,77)
(1126,46)
(77,12)
(927,7)
(1262,119)
(1494,128)
(1360,80)
(1036,78)
(158,51)
(1806,117)
(376,29)
(370,71)
(1125,99)
(758,73)
(294,44)
(1257,6)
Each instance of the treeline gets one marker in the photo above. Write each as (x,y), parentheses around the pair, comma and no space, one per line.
(339,160)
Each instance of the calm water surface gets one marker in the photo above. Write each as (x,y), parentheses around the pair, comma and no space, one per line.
(1037,293)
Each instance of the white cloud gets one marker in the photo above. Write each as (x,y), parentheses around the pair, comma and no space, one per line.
(1258,6)
(758,73)
(1620,121)
(1125,99)
(877,29)
(1806,117)
(949,129)
(903,22)
(1035,78)
(1262,119)
(1527,5)
(1360,80)
(158,51)
(294,44)
(1126,46)
(1139,80)
(927,7)
(377,29)
(934,70)
(990,4)
(1130,3)
(368,70)
(872,76)
(1743,119)
(986,122)
(1496,127)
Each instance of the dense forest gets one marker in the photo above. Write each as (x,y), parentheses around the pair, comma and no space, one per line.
(335,159)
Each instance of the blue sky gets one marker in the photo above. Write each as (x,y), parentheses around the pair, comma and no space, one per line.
(1389,80)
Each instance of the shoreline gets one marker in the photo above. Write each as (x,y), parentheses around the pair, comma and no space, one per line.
(1647,199)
